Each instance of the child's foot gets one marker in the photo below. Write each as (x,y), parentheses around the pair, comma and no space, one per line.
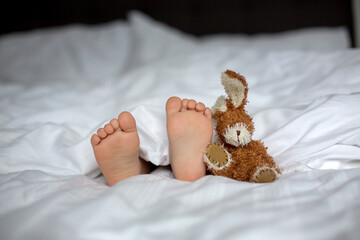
(189,129)
(116,148)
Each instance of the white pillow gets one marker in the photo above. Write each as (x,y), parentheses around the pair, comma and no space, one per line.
(61,53)
(321,38)
(154,40)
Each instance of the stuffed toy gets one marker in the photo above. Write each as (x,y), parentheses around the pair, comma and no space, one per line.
(235,155)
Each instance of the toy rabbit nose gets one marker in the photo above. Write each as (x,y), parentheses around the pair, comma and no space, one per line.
(238,133)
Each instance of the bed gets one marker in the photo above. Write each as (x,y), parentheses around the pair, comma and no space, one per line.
(59,84)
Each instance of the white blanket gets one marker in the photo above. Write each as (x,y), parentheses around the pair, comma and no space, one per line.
(58,86)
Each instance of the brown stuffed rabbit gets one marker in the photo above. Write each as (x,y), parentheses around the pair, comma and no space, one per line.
(236,155)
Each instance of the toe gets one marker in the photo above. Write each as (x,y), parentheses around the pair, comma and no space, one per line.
(108,129)
(95,140)
(173,105)
(184,104)
(207,113)
(127,122)
(101,132)
(192,104)
(115,123)
(200,107)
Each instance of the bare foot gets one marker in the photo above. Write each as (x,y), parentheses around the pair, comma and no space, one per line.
(189,129)
(116,148)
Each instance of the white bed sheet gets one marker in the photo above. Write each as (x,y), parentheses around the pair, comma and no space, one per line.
(59,85)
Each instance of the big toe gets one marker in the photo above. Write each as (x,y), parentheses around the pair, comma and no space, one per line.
(127,122)
(173,105)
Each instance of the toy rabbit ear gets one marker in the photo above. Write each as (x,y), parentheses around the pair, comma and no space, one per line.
(235,87)
(220,105)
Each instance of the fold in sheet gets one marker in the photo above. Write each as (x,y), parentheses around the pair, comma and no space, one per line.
(58,86)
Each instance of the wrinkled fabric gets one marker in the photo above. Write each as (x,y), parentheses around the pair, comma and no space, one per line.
(58,86)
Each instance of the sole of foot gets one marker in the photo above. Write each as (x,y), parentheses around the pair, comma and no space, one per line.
(116,149)
(189,130)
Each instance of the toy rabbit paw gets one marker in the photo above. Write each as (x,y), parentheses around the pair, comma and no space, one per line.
(236,155)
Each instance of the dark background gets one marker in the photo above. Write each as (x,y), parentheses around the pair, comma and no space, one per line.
(192,16)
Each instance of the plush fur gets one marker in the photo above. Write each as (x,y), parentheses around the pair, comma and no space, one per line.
(236,155)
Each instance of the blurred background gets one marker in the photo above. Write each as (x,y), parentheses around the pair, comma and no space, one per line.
(197,17)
